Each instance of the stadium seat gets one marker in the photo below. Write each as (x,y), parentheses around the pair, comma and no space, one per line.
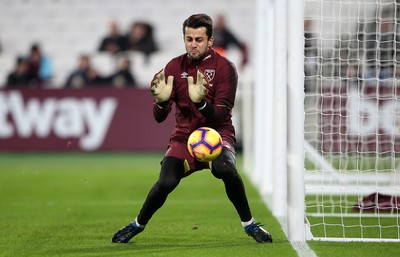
(7,63)
(104,63)
(68,28)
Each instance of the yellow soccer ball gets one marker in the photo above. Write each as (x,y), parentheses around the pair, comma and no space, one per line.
(205,144)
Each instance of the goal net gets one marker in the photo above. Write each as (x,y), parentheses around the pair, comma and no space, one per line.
(352,119)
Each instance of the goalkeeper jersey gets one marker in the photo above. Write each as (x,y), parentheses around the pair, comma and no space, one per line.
(222,80)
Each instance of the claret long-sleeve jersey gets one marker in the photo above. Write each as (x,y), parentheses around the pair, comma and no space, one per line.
(222,80)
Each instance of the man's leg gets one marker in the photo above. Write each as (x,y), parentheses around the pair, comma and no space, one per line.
(171,173)
(224,167)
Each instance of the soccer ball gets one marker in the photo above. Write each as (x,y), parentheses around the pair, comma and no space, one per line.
(205,144)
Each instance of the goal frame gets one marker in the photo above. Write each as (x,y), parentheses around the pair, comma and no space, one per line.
(276,160)
(274,156)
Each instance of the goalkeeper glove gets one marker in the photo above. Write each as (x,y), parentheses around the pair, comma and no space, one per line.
(161,91)
(197,91)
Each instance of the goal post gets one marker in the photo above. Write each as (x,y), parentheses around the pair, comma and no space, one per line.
(295,135)
(278,162)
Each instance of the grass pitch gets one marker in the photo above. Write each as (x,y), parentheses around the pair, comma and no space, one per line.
(72,204)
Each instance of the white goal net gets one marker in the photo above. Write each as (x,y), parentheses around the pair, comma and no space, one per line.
(352,119)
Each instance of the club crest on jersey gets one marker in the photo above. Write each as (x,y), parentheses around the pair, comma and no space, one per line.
(209,74)
(184,75)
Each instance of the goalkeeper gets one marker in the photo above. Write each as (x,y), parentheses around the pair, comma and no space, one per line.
(206,101)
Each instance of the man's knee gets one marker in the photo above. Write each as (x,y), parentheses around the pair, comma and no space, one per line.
(171,173)
(224,166)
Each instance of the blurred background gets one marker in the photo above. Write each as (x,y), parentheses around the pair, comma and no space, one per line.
(67,29)
(104,44)
(98,46)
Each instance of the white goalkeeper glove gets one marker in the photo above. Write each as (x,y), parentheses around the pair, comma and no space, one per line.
(197,91)
(161,91)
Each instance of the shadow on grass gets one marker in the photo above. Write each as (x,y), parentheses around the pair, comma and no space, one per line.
(173,246)
(164,247)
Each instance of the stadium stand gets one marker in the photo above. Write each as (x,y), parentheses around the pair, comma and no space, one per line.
(67,28)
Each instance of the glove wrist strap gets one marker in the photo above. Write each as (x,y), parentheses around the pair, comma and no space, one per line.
(201,106)
(206,109)
(162,105)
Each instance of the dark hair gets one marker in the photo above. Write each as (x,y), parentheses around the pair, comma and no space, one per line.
(199,20)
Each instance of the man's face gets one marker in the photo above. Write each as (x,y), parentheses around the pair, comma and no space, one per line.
(196,42)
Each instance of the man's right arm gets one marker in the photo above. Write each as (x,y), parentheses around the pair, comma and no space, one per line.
(161,111)
(161,92)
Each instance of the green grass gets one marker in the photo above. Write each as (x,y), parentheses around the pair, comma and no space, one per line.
(351,223)
(72,204)
(357,162)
